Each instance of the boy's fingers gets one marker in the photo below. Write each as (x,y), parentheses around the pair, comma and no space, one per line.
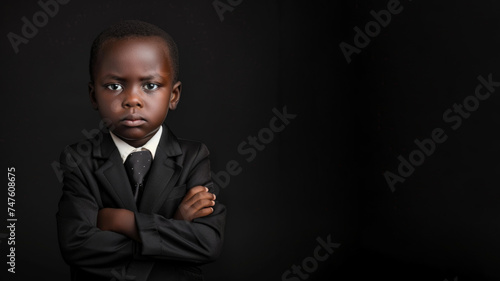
(200,196)
(200,204)
(203,212)
(193,191)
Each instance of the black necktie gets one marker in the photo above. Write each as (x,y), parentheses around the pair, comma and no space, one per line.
(137,165)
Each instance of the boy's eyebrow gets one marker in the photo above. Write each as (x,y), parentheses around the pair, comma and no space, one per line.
(114,77)
(121,79)
(149,77)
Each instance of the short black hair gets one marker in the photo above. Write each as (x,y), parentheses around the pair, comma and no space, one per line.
(133,28)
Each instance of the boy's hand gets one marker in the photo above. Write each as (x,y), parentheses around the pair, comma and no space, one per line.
(197,203)
(118,220)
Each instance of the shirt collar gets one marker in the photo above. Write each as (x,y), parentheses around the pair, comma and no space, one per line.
(125,149)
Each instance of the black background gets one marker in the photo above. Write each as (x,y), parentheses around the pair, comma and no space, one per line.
(324,174)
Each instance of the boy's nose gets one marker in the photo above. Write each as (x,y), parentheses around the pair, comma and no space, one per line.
(132,99)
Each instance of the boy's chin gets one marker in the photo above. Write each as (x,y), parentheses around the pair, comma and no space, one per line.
(134,134)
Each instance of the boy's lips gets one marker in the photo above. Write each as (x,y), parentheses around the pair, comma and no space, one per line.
(133,120)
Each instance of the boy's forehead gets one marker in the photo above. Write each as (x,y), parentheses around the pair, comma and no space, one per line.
(152,40)
(151,52)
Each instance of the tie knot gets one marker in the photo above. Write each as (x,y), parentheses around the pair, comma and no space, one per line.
(137,165)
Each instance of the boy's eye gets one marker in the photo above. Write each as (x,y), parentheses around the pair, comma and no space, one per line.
(114,87)
(150,86)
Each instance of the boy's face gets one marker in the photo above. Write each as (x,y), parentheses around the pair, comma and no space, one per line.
(133,87)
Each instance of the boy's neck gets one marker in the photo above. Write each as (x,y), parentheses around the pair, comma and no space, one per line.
(141,142)
(124,148)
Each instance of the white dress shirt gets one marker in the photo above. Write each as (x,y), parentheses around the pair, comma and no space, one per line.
(125,149)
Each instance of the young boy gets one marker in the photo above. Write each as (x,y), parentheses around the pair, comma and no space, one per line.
(137,206)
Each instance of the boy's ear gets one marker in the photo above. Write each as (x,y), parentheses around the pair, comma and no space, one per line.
(92,95)
(175,96)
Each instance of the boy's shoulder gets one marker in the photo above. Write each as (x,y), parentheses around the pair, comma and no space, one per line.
(170,142)
(189,146)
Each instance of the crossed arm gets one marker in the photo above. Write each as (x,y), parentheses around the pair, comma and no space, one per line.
(98,239)
(197,203)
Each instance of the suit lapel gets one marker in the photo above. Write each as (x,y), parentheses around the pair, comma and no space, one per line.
(112,175)
(162,177)
(164,173)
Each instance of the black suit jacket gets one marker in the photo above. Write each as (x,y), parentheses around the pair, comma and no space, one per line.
(95,178)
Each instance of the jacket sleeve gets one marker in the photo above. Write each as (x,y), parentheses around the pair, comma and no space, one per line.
(199,241)
(82,244)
